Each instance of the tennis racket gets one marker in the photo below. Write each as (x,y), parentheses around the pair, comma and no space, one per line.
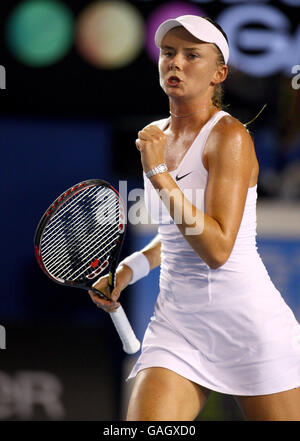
(79,237)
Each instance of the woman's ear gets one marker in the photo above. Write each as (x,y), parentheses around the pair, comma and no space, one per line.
(220,75)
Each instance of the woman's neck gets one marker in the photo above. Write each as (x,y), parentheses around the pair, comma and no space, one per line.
(190,117)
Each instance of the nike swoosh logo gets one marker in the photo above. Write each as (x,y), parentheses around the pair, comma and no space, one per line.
(181,177)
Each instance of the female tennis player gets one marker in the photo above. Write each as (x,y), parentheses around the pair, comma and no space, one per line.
(219,323)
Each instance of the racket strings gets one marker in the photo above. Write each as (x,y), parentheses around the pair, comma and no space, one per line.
(62,251)
(60,261)
(73,258)
(66,210)
(85,229)
(68,207)
(71,209)
(80,235)
(73,201)
(50,239)
(79,240)
(103,258)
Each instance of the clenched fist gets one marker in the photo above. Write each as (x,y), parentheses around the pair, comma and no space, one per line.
(151,143)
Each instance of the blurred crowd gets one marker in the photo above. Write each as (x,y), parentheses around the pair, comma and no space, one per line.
(276,131)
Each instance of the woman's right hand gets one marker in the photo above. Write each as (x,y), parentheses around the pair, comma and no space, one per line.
(123,277)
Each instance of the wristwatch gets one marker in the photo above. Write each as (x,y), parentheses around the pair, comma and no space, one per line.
(161,168)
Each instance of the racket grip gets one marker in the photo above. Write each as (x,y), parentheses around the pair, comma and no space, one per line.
(130,343)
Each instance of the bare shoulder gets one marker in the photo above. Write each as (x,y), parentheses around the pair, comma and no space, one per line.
(228,126)
(228,137)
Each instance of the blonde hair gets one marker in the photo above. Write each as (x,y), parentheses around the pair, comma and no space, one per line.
(217,98)
(218,91)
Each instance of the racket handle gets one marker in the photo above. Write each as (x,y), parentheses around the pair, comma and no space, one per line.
(130,343)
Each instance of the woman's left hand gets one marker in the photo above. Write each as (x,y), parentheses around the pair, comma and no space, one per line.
(151,143)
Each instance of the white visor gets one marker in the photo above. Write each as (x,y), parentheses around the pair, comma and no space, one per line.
(199,28)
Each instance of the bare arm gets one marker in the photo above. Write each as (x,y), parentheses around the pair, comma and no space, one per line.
(228,159)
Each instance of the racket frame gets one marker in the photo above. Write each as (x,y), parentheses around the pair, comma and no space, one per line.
(53,209)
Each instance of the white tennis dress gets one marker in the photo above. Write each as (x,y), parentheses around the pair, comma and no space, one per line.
(227,329)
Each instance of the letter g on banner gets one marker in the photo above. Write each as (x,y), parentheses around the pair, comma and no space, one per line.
(277,47)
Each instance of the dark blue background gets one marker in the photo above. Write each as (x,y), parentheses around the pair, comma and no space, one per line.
(42,159)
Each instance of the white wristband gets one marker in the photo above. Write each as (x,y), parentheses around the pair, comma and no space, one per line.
(139,264)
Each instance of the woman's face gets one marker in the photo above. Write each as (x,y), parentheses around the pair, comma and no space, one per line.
(188,67)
